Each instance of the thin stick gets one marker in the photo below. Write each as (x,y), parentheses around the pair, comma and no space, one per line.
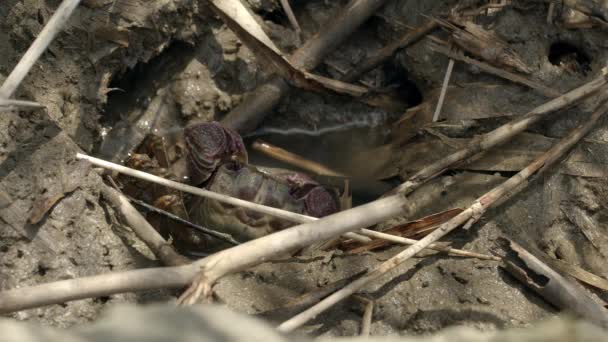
(366,321)
(386,52)
(157,244)
(20,103)
(44,39)
(436,247)
(501,134)
(468,216)
(293,217)
(214,233)
(292,17)
(546,91)
(550,12)
(283,214)
(293,159)
(250,113)
(444,88)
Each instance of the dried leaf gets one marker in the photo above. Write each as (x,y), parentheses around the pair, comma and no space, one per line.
(589,228)
(579,273)
(413,229)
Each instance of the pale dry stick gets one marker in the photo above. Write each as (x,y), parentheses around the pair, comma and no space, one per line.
(283,214)
(368,312)
(215,266)
(40,44)
(436,247)
(19,103)
(444,89)
(293,159)
(162,249)
(501,134)
(546,91)
(550,12)
(221,236)
(292,17)
(280,213)
(468,216)
(250,113)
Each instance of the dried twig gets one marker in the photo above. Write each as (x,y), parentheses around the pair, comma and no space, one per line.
(546,91)
(292,17)
(214,233)
(436,247)
(157,244)
(287,215)
(386,52)
(271,57)
(469,216)
(293,159)
(19,104)
(552,286)
(260,102)
(444,89)
(366,320)
(45,37)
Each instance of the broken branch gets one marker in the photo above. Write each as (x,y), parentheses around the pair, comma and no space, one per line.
(157,244)
(553,287)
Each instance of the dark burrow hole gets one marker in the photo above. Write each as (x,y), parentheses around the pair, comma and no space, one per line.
(570,57)
(136,86)
(397,76)
(277,16)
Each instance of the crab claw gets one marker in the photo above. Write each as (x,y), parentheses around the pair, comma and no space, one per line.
(319,202)
(208,145)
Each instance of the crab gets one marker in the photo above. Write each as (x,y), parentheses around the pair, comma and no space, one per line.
(215,158)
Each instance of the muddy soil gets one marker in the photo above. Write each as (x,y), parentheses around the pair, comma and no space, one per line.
(124,69)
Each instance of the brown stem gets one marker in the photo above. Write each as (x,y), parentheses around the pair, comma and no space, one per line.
(293,159)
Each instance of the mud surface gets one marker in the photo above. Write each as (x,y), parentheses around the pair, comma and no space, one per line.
(124,69)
